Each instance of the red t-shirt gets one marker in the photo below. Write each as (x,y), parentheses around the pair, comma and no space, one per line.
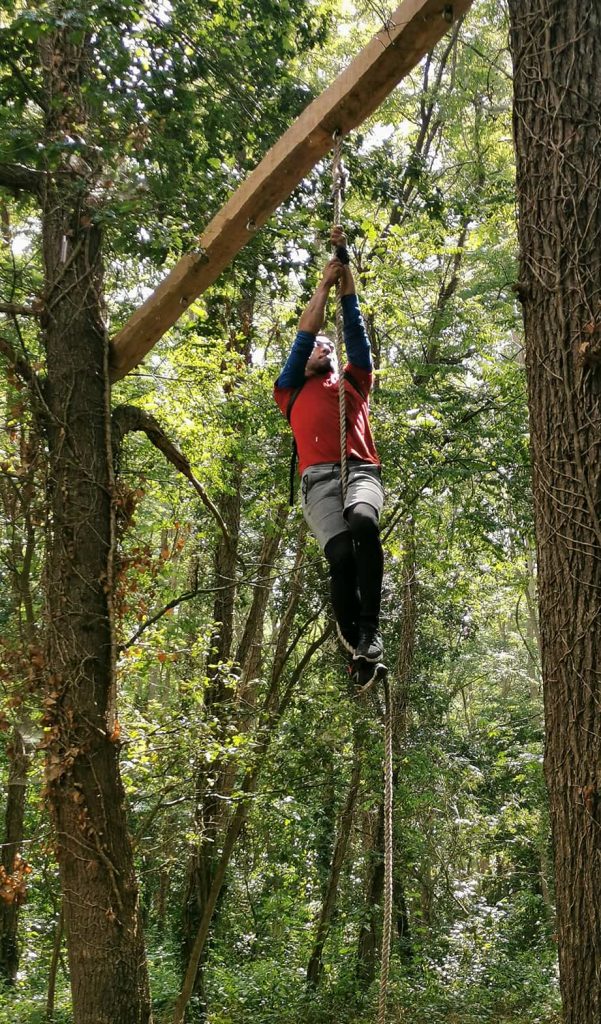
(315,419)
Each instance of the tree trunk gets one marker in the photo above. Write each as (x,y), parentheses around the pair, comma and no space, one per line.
(367,946)
(52,973)
(100,894)
(211,808)
(315,965)
(273,710)
(532,629)
(250,648)
(556,46)
(11,849)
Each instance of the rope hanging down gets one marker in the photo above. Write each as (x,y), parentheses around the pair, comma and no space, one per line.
(338,186)
(388,853)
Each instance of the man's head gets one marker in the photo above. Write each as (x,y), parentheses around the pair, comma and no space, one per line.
(322,359)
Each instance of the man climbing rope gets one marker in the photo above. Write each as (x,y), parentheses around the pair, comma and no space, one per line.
(348,531)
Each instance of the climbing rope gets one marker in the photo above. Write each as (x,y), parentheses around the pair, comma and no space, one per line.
(388,850)
(338,187)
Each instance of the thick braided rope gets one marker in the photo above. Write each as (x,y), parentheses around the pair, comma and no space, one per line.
(388,851)
(339,178)
(338,182)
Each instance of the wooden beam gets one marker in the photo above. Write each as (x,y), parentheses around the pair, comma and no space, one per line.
(413,29)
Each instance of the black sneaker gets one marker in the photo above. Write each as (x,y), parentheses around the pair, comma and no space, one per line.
(365,674)
(370,646)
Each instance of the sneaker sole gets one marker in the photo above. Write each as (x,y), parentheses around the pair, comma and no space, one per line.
(370,661)
(380,671)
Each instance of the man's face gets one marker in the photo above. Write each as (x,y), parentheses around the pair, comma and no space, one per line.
(321,360)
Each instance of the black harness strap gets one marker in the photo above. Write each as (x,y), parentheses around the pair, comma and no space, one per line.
(294,452)
(347,375)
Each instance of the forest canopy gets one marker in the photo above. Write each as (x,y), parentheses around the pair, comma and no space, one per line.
(198,761)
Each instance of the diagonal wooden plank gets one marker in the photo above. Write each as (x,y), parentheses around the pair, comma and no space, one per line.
(412,30)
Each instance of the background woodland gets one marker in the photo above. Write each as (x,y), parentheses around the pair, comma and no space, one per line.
(253,784)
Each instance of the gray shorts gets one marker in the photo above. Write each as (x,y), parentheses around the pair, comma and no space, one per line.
(322,496)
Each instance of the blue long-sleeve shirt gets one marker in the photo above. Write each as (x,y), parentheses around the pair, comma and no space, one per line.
(315,417)
(356,342)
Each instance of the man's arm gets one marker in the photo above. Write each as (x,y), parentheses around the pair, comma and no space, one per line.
(310,323)
(356,341)
(358,348)
(293,371)
(314,314)
(338,240)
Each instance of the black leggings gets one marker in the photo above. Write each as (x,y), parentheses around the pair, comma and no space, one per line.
(356,563)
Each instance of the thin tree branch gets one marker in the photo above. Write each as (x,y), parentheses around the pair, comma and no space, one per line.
(189,594)
(127,418)
(37,95)
(235,827)
(19,364)
(13,309)
(18,178)
(301,666)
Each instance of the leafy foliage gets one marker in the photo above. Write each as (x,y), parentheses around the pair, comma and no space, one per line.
(184,100)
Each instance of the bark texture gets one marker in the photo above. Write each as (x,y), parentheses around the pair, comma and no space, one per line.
(100,895)
(211,807)
(14,817)
(315,965)
(277,700)
(556,47)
